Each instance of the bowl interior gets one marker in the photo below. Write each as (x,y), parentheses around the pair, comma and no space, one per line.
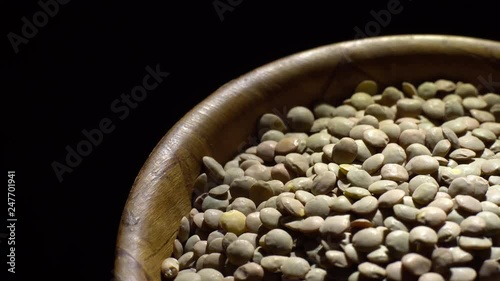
(223,124)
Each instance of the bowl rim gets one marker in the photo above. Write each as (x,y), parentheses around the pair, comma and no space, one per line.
(169,143)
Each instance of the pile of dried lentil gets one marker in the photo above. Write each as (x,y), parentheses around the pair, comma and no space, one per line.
(398,185)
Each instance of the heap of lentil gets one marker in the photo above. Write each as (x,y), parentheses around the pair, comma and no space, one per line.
(398,185)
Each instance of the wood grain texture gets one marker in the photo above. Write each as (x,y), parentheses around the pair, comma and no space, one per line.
(222,123)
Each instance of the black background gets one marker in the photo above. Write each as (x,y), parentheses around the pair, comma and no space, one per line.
(66,77)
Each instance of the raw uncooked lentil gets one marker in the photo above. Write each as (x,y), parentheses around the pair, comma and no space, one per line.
(392,184)
(416,264)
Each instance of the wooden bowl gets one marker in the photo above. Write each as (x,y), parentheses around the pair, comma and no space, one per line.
(224,122)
